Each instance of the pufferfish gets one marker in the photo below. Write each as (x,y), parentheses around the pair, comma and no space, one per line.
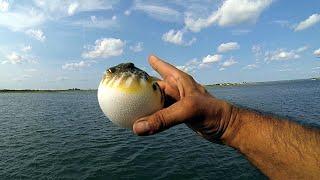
(127,93)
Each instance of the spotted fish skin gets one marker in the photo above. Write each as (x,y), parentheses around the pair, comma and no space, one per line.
(127,93)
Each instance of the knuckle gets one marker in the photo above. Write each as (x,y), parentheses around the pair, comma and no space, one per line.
(191,104)
(158,121)
(202,89)
(189,77)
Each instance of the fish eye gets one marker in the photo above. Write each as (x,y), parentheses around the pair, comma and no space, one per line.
(111,70)
(154,86)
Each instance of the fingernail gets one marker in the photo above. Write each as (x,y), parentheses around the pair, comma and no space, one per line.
(141,127)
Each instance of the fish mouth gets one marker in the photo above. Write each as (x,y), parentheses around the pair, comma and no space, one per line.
(127,70)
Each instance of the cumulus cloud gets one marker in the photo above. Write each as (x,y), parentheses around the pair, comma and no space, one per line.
(137,47)
(310,21)
(225,47)
(4,5)
(22,78)
(72,8)
(21,19)
(238,32)
(257,50)
(127,12)
(157,11)
(317,53)
(31,70)
(62,8)
(190,67)
(16,58)
(231,12)
(105,48)
(29,15)
(250,66)
(99,23)
(281,54)
(37,34)
(176,37)
(302,49)
(26,48)
(212,59)
(76,65)
(229,62)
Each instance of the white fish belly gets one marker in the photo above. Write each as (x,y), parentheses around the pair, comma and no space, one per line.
(123,108)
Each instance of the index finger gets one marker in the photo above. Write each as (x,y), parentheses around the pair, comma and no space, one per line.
(163,68)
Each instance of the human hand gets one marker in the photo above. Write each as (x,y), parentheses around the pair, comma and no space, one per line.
(192,105)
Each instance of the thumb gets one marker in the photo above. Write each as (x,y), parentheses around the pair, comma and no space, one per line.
(163,119)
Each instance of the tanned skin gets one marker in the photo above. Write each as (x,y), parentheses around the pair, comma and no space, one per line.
(281,149)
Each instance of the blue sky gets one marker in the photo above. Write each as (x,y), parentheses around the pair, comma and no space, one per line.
(58,44)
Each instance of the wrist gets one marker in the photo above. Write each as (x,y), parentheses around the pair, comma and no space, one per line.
(232,126)
(223,118)
(228,121)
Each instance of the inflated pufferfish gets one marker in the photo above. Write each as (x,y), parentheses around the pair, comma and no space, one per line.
(127,93)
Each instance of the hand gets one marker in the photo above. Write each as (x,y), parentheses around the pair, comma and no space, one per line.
(192,105)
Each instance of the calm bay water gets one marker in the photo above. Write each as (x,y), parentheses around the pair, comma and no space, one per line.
(65,135)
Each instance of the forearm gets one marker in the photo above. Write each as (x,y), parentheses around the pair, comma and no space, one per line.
(280,148)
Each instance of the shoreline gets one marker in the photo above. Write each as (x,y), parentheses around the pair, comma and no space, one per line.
(226,84)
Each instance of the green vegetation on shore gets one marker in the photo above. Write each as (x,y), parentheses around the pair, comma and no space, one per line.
(227,84)
(39,90)
(77,89)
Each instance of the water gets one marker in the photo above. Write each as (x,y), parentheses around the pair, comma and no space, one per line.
(65,136)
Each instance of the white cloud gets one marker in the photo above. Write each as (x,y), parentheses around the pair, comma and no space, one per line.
(229,63)
(281,54)
(127,12)
(212,58)
(257,50)
(302,49)
(61,8)
(173,36)
(285,70)
(72,8)
(105,48)
(157,11)
(21,19)
(190,67)
(31,70)
(222,69)
(22,78)
(282,23)
(37,34)
(4,5)
(251,66)
(30,15)
(26,48)
(137,47)
(99,23)
(231,12)
(225,47)
(317,52)
(62,78)
(76,65)
(311,21)
(176,37)
(238,32)
(16,58)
